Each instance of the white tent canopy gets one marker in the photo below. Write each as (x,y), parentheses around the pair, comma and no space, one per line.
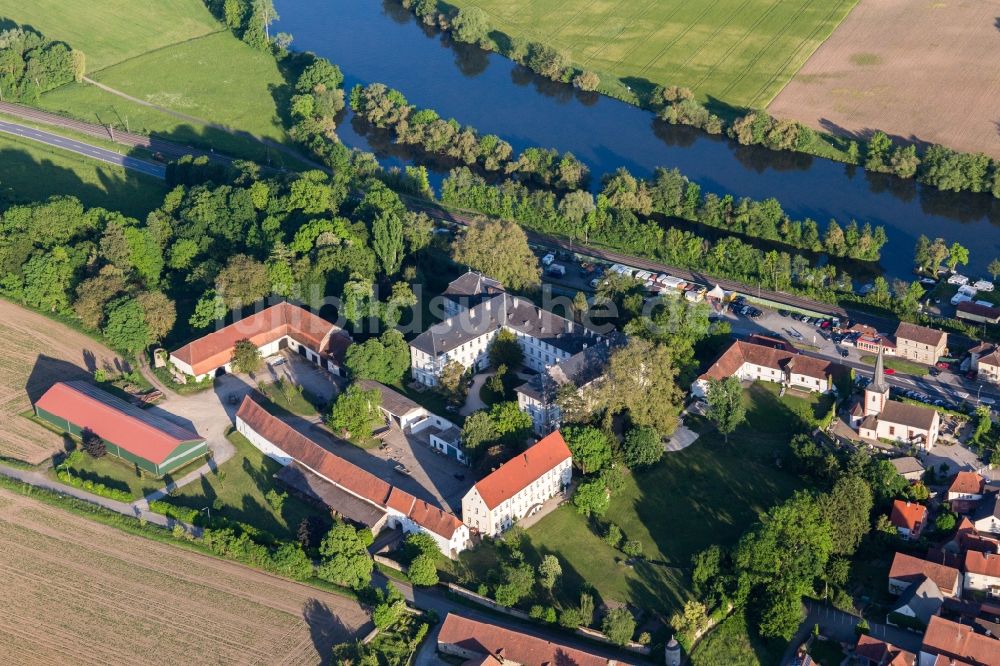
(717,293)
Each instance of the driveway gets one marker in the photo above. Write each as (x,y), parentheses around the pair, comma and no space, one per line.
(473,403)
(839,626)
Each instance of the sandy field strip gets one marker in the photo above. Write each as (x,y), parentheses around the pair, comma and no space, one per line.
(36,353)
(920,70)
(79,592)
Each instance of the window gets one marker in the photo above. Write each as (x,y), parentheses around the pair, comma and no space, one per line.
(892,430)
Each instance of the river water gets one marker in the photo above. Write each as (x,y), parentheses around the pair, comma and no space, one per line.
(376,41)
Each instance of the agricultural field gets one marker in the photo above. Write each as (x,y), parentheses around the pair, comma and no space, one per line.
(196,83)
(38,352)
(31,171)
(78,591)
(921,71)
(730,52)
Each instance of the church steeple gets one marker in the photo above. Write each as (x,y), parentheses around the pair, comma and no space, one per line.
(877,393)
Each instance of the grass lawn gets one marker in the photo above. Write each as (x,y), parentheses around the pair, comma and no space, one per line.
(737,52)
(731,643)
(286,397)
(110,31)
(709,493)
(30,171)
(240,485)
(117,473)
(898,364)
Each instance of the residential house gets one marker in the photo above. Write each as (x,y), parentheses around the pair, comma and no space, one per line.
(965,492)
(967,537)
(281,326)
(871,651)
(545,337)
(435,431)
(948,643)
(986,517)
(286,445)
(915,425)
(519,486)
(982,314)
(873,344)
(982,573)
(907,570)
(985,362)
(485,644)
(908,467)
(916,606)
(140,437)
(920,344)
(909,518)
(757,362)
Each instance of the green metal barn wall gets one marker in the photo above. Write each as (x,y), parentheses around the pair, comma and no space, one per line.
(183,454)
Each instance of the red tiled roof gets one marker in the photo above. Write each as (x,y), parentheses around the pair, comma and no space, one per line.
(135,430)
(958,641)
(911,569)
(882,653)
(909,515)
(983,564)
(921,334)
(284,319)
(742,351)
(968,483)
(490,639)
(519,472)
(343,473)
(968,307)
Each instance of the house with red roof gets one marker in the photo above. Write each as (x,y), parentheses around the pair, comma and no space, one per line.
(907,570)
(872,651)
(281,326)
(519,487)
(138,436)
(753,361)
(909,518)
(966,491)
(982,572)
(397,508)
(948,643)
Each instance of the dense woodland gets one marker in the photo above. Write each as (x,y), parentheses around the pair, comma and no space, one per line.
(31,64)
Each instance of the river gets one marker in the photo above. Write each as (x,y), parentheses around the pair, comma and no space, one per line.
(376,41)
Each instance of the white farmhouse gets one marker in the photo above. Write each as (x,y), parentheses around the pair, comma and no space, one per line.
(519,487)
(751,361)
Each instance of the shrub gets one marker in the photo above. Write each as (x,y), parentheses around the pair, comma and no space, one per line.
(422,571)
(613,537)
(632,548)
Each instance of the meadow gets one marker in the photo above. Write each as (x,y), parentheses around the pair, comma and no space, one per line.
(732,53)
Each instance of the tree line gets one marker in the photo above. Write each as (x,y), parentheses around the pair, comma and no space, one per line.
(31,64)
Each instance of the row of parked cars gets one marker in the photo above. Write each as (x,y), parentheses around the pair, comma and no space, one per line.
(819,322)
(739,306)
(921,397)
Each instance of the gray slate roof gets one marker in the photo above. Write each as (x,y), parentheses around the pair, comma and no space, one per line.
(393,402)
(907,465)
(905,414)
(318,489)
(472,289)
(988,506)
(579,369)
(923,598)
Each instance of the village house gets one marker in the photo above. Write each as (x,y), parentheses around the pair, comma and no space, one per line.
(977,312)
(982,573)
(519,487)
(920,344)
(756,362)
(985,362)
(909,518)
(871,651)
(416,421)
(965,492)
(484,644)
(948,643)
(907,570)
(281,326)
(398,509)
(873,344)
(916,605)
(882,418)
(986,517)
(908,467)
(138,436)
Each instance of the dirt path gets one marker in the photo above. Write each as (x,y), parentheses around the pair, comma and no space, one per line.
(83,592)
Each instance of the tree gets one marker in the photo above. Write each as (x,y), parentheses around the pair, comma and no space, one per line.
(93,295)
(957,254)
(389,607)
(847,508)
(994,268)
(478,432)
(725,404)
(209,309)
(422,571)
(345,556)
(419,543)
(643,447)
(586,80)
(471,25)
(385,359)
(246,357)
(505,350)
(93,443)
(592,498)
(692,620)
(922,252)
(512,425)
(591,448)
(451,382)
(159,313)
(498,248)
(125,327)
(549,572)
(641,379)
(291,561)
(387,241)
(945,522)
(519,580)
(619,626)
(242,282)
(356,411)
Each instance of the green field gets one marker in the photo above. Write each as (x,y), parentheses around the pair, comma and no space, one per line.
(30,171)
(738,52)
(708,493)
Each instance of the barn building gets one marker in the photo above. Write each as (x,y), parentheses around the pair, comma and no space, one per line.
(138,436)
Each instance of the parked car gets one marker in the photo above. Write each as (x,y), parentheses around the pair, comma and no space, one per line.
(824,324)
(890,371)
(987,401)
(548,259)
(935,372)
(784,313)
(556,270)
(844,353)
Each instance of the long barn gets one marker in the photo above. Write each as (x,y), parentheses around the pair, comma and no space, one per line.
(143,438)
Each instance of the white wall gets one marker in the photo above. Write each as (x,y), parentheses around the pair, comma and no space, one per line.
(269,449)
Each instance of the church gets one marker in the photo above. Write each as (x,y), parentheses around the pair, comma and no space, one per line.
(876,417)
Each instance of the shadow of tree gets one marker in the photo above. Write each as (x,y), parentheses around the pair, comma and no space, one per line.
(325,628)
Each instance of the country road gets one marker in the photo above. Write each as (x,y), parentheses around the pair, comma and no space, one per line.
(87,150)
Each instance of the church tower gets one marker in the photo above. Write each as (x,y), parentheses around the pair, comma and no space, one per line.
(877,393)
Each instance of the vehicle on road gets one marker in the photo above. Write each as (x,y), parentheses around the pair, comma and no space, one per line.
(890,371)
(401,469)
(935,372)
(987,400)
(795,334)
(275,361)
(548,259)
(784,313)
(556,270)
(844,353)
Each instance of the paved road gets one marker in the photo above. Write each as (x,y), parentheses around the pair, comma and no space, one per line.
(93,152)
(839,626)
